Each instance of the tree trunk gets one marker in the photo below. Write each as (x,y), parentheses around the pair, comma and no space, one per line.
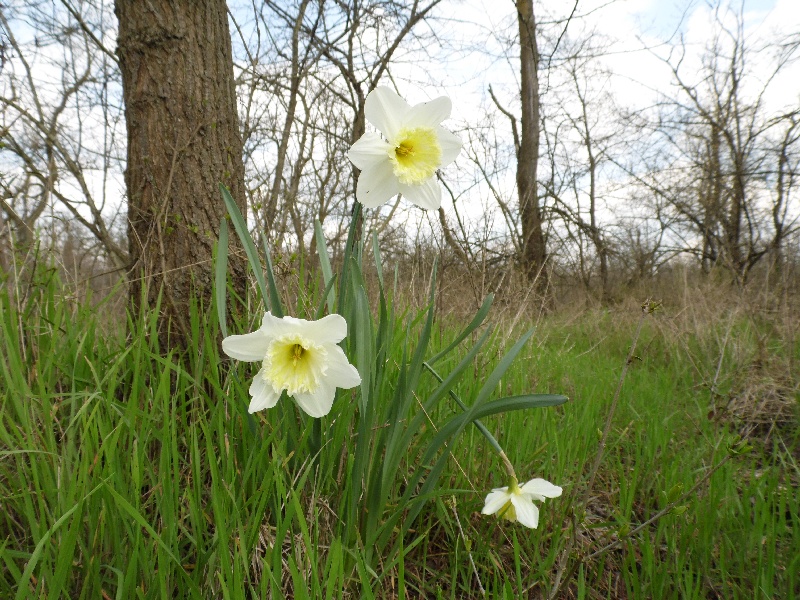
(533,243)
(183,140)
(712,199)
(594,228)
(739,261)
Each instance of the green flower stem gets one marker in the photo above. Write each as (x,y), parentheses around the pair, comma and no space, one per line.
(481,427)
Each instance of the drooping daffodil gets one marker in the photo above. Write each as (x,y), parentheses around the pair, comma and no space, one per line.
(413,147)
(515,503)
(298,356)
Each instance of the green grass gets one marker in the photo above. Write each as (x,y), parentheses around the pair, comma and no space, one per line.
(124,474)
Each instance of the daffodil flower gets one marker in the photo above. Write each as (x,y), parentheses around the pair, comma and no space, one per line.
(515,503)
(298,356)
(405,160)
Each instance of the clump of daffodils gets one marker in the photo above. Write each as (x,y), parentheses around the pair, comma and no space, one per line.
(515,502)
(405,159)
(302,358)
(299,357)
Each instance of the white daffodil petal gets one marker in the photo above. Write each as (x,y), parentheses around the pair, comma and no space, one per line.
(249,347)
(319,403)
(495,500)
(368,151)
(429,114)
(540,487)
(427,195)
(328,330)
(376,185)
(526,510)
(317,331)
(340,372)
(263,396)
(386,110)
(450,145)
(278,326)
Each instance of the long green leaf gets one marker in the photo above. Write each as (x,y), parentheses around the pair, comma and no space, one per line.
(322,304)
(66,549)
(398,444)
(247,241)
(481,427)
(376,254)
(361,322)
(221,276)
(488,387)
(418,358)
(473,325)
(364,338)
(349,250)
(325,264)
(274,297)
(503,405)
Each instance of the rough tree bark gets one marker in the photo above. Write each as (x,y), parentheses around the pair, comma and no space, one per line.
(183,140)
(533,242)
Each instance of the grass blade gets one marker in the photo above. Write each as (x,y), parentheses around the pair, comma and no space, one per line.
(37,552)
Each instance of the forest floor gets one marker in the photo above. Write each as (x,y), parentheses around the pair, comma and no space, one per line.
(125,474)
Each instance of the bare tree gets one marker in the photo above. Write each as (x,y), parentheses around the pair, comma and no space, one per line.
(526,133)
(723,161)
(60,143)
(534,251)
(582,135)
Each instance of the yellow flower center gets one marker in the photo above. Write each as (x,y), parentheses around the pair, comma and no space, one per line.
(508,512)
(416,155)
(295,364)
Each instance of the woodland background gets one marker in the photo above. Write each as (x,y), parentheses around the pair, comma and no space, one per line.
(703,177)
(647,226)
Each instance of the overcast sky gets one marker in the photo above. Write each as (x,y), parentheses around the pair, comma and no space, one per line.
(480,35)
(634,30)
(636,33)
